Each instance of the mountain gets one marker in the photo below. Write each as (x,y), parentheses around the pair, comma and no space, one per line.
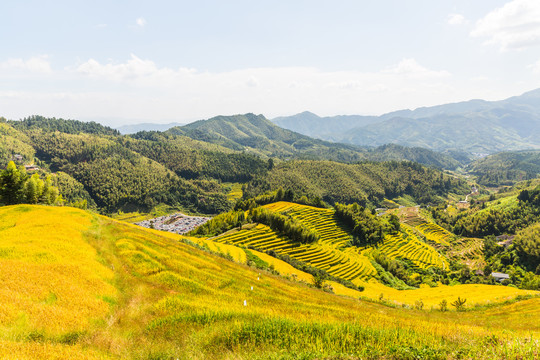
(476,127)
(308,123)
(506,168)
(135,128)
(256,134)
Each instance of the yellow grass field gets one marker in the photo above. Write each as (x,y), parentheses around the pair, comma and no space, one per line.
(123,292)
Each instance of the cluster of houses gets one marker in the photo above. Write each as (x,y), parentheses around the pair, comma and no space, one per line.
(18,158)
(177,223)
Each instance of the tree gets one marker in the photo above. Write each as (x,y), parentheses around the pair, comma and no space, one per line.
(394,223)
(318,280)
(33,189)
(11,183)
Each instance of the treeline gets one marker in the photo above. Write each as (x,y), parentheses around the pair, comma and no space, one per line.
(278,195)
(520,260)
(221,223)
(284,224)
(366,227)
(17,187)
(527,245)
(366,183)
(62,125)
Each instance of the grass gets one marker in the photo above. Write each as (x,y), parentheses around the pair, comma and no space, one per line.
(144,294)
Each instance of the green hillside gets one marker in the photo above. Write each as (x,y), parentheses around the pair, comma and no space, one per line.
(256,134)
(366,183)
(506,168)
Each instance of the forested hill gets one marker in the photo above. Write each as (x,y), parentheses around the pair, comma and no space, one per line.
(367,183)
(256,134)
(62,125)
(95,165)
(506,168)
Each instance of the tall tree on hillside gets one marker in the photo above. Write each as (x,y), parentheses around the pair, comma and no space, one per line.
(11,183)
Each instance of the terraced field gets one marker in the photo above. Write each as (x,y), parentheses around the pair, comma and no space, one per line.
(435,233)
(407,246)
(76,285)
(323,254)
(322,220)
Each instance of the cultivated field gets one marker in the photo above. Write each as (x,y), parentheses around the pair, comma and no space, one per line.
(114,290)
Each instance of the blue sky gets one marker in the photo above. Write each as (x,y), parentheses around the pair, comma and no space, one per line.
(160,61)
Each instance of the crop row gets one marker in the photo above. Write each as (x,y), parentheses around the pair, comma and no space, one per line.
(323,221)
(336,262)
(434,232)
(407,246)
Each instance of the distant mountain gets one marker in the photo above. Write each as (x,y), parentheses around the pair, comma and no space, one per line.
(256,134)
(506,168)
(474,127)
(135,128)
(308,123)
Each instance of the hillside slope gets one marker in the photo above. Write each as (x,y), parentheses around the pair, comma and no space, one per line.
(506,168)
(96,288)
(256,134)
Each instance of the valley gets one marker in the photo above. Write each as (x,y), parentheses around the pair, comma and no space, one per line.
(254,238)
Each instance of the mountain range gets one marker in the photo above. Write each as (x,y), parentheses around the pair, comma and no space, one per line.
(256,134)
(476,127)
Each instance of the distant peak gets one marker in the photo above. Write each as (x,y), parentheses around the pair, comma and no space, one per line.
(533,93)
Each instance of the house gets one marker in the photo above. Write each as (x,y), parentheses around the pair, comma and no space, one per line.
(17,157)
(505,240)
(31,167)
(500,276)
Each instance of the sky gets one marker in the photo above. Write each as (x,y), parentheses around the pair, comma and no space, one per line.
(121,62)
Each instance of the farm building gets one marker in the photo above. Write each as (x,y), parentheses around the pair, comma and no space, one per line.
(500,276)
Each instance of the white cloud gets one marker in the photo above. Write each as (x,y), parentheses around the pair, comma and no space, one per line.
(252,81)
(456,19)
(38,64)
(141,89)
(535,67)
(410,67)
(516,25)
(141,22)
(134,69)
(161,92)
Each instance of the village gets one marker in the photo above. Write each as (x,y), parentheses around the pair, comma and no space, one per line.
(177,223)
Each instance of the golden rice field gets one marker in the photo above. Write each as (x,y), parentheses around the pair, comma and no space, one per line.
(335,238)
(235,191)
(435,233)
(133,293)
(336,261)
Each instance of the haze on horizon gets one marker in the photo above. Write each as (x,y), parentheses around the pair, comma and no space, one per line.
(178,61)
